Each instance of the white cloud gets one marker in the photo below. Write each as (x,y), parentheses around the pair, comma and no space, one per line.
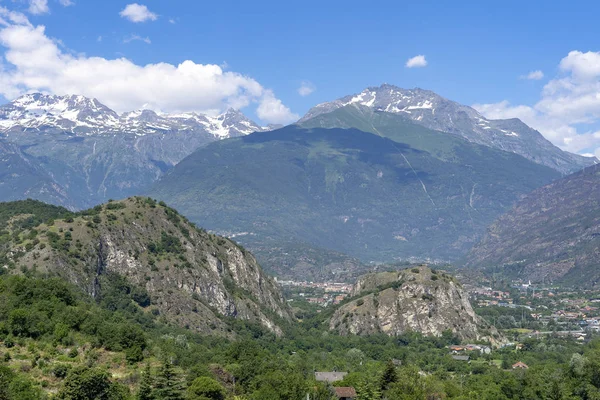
(568,112)
(306,88)
(33,62)
(416,62)
(8,17)
(133,38)
(66,3)
(99,38)
(534,75)
(272,109)
(37,7)
(138,13)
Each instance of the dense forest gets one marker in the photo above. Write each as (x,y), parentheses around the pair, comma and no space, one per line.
(57,343)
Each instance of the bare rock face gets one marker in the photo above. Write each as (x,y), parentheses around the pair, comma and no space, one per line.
(193,278)
(417,299)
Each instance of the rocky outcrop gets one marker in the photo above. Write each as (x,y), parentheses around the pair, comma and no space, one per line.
(193,278)
(417,299)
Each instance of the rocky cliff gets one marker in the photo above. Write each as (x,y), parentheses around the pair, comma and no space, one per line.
(192,278)
(418,299)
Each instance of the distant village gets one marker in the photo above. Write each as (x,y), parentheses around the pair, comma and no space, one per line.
(322,294)
(544,309)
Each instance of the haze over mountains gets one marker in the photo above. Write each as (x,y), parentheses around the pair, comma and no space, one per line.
(552,235)
(404,192)
(76,152)
(386,174)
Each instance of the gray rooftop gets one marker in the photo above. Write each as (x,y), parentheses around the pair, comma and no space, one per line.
(330,376)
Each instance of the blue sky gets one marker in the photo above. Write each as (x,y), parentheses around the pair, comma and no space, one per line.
(477,54)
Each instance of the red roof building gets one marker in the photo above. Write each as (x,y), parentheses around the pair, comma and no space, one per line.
(520,365)
(345,393)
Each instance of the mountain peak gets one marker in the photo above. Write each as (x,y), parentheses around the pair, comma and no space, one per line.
(427,108)
(80,115)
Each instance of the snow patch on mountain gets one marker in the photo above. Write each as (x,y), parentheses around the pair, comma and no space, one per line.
(80,115)
(433,111)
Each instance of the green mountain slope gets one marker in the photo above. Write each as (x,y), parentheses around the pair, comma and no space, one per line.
(23,176)
(192,278)
(552,235)
(351,191)
(399,128)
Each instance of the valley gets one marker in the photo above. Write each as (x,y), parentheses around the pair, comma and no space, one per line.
(376,224)
(299,200)
(106,293)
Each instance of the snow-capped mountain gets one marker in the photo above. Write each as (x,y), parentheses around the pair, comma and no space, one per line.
(77,152)
(80,115)
(433,111)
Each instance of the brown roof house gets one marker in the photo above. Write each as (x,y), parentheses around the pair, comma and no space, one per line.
(330,376)
(520,365)
(345,393)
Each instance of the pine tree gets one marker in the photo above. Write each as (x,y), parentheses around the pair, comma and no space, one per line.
(145,391)
(388,377)
(168,385)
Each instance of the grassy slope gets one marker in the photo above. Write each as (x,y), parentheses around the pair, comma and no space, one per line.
(357,193)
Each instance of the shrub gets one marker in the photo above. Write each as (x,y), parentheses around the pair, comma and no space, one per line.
(205,388)
(73,353)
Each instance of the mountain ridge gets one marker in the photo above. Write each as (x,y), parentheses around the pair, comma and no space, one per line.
(76,152)
(552,235)
(191,277)
(377,198)
(427,108)
(81,115)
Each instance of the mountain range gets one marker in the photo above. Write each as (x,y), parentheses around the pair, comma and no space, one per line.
(432,111)
(551,236)
(83,116)
(411,193)
(76,152)
(384,175)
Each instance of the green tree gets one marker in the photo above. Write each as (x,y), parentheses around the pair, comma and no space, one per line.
(368,391)
(577,365)
(409,386)
(145,390)
(322,392)
(84,383)
(205,388)
(168,385)
(23,389)
(388,377)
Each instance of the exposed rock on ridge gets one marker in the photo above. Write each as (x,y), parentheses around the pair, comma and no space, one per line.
(193,278)
(417,299)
